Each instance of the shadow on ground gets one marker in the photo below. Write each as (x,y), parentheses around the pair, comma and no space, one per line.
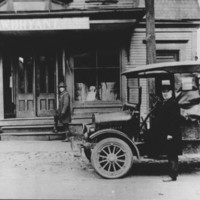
(160,167)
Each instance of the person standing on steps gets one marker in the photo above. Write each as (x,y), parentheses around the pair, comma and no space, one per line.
(63,114)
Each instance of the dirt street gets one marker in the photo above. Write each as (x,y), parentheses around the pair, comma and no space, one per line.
(49,170)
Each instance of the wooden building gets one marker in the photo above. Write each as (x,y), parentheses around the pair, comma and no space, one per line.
(87,44)
(80,42)
(177,25)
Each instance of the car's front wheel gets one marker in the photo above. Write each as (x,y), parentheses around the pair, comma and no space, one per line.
(112,158)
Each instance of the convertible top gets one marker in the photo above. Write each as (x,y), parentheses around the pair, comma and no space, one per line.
(152,70)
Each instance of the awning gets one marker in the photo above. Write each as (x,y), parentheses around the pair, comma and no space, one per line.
(70,20)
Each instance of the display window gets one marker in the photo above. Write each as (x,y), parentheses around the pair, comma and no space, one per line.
(97,75)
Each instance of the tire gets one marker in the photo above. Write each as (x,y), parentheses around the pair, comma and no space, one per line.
(88,153)
(112,158)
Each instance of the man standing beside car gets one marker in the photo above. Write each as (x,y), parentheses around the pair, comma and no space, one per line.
(166,129)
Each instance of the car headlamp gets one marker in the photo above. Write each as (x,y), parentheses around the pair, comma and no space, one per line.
(91,129)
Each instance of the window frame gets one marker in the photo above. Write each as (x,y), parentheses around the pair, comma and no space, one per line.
(99,102)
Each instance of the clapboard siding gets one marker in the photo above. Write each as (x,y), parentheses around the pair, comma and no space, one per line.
(137,58)
(166,39)
(175,9)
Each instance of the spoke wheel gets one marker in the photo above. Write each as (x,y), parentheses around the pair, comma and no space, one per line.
(112,158)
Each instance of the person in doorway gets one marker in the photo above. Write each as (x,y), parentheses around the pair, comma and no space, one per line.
(166,129)
(63,114)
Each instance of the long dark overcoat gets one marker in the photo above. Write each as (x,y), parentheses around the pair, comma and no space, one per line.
(167,122)
(64,107)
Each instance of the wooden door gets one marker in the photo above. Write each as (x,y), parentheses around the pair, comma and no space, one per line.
(25,76)
(45,84)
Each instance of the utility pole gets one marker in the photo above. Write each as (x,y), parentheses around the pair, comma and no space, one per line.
(150,32)
(150,44)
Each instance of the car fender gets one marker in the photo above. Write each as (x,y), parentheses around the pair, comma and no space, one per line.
(106,133)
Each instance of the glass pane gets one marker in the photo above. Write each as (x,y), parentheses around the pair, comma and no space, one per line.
(167,56)
(21,75)
(109,80)
(97,76)
(45,74)
(51,74)
(85,79)
(25,74)
(108,58)
(42,75)
(84,60)
(29,74)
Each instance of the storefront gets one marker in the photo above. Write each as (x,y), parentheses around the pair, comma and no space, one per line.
(86,49)
(32,64)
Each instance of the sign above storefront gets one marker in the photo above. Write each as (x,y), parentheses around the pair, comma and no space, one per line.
(44,24)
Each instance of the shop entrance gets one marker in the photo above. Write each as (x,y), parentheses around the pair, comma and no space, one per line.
(31,86)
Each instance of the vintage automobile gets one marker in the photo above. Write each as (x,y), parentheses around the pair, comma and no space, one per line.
(113,140)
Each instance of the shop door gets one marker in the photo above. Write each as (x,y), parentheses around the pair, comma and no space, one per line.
(25,80)
(45,85)
(35,86)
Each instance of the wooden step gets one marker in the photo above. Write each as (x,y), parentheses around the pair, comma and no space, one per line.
(41,136)
(28,128)
(40,128)
(27,121)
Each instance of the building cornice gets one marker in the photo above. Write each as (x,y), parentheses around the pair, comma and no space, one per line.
(123,13)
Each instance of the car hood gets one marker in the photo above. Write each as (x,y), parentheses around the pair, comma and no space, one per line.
(112,116)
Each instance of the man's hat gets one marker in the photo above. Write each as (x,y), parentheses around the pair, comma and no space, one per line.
(61,84)
(166,85)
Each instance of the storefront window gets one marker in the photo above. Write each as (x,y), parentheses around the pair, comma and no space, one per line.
(97,75)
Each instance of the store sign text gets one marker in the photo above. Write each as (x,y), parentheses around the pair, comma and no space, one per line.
(44,24)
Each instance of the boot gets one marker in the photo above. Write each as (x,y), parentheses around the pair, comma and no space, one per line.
(67,133)
(55,128)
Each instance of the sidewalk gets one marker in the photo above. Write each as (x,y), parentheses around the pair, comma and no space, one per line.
(49,170)
(59,146)
(34,146)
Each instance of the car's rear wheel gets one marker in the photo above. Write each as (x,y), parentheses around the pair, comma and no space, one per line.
(112,158)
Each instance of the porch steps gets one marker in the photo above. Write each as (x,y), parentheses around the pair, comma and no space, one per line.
(22,129)
(30,132)
(34,129)
(27,121)
(29,129)
(40,136)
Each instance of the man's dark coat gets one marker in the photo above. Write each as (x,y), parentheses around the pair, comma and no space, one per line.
(167,122)
(64,107)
